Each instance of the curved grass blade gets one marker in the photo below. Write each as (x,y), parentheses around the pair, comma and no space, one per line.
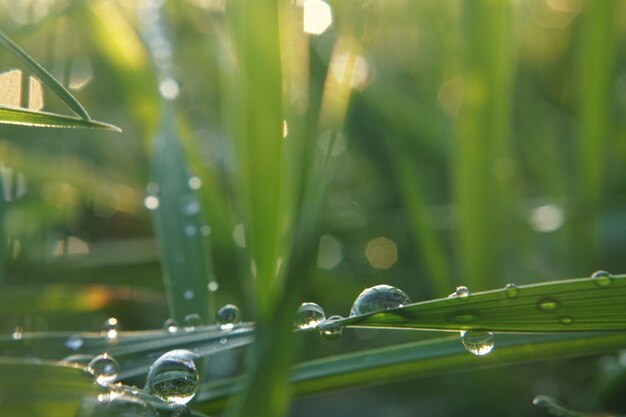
(24,117)
(34,389)
(44,76)
(424,358)
(577,305)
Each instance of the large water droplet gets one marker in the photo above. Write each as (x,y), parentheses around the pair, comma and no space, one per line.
(110,328)
(511,290)
(191,321)
(104,368)
(602,278)
(228,316)
(174,377)
(379,298)
(309,316)
(478,343)
(461,292)
(170,326)
(547,304)
(330,329)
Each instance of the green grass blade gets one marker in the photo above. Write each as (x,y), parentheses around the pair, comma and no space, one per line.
(42,389)
(180,230)
(419,359)
(577,305)
(44,76)
(24,117)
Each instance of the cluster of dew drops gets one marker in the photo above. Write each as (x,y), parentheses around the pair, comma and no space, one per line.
(384,297)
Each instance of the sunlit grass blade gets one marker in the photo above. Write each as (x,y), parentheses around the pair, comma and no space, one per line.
(135,351)
(24,117)
(180,230)
(44,76)
(419,359)
(577,305)
(41,389)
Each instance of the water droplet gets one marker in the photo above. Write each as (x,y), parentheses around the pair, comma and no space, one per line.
(73,342)
(110,328)
(169,88)
(188,294)
(602,278)
(309,316)
(170,326)
(205,230)
(478,343)
(189,205)
(223,341)
(213,286)
(151,202)
(547,304)
(104,368)
(565,320)
(228,316)
(379,298)
(461,292)
(190,230)
(330,329)
(511,290)
(17,333)
(194,183)
(191,321)
(174,377)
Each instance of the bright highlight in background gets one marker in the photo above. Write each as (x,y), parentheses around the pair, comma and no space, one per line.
(317,17)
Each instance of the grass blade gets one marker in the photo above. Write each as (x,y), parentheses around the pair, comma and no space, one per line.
(44,76)
(577,305)
(418,359)
(23,117)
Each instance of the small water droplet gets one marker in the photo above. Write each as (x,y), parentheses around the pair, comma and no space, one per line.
(205,230)
(547,304)
(188,294)
(602,278)
(479,343)
(17,333)
(170,326)
(228,316)
(511,290)
(104,368)
(330,329)
(169,88)
(190,230)
(191,321)
(213,286)
(195,183)
(565,320)
(110,328)
(461,292)
(189,205)
(73,342)
(379,298)
(309,316)
(151,202)
(174,377)
(223,341)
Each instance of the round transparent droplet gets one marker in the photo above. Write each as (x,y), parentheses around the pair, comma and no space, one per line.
(511,290)
(170,326)
(547,304)
(191,321)
(602,278)
(379,298)
(309,316)
(189,205)
(104,368)
(461,292)
(330,329)
(110,328)
(174,377)
(190,230)
(479,343)
(151,202)
(228,316)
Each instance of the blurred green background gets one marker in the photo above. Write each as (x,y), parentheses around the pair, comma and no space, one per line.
(483,143)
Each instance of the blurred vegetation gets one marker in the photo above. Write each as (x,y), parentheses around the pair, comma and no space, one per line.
(425,145)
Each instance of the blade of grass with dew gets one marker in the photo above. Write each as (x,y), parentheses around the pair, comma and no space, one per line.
(596,55)
(419,359)
(31,118)
(179,228)
(482,138)
(42,389)
(577,305)
(44,76)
